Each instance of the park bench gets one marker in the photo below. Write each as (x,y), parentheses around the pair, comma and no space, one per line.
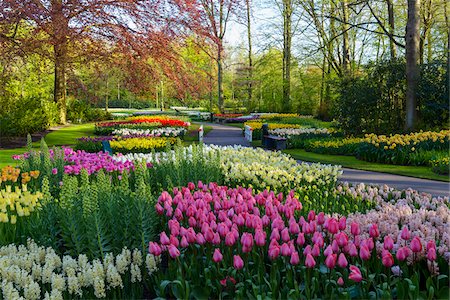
(272,141)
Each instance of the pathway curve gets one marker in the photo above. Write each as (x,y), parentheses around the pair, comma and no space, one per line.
(228,135)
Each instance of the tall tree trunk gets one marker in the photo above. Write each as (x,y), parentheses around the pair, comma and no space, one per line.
(219,78)
(250,60)
(412,62)
(287,42)
(447,25)
(391,19)
(345,42)
(59,91)
(107,95)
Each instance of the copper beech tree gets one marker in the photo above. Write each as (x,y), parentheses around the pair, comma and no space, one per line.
(68,31)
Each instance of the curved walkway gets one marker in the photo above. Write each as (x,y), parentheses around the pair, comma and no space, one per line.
(228,135)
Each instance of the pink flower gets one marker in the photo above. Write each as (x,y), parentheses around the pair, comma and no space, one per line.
(330,261)
(295,259)
(431,254)
(387,259)
(285,250)
(321,218)
(332,226)
(184,243)
(416,245)
(200,239)
(355,274)
(174,241)
(260,238)
(164,239)
(230,239)
(340,281)
(342,260)
(405,235)
(217,256)
(311,215)
(173,251)
(402,253)
(373,231)
(364,253)
(388,243)
(247,241)
(301,239)
(328,250)
(310,262)
(54,171)
(275,235)
(354,229)
(341,239)
(154,249)
(315,250)
(285,235)
(238,263)
(294,228)
(342,223)
(274,252)
(352,251)
(431,244)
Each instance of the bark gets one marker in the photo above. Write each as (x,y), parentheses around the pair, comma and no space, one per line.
(250,60)
(391,19)
(412,62)
(220,80)
(427,20)
(287,42)
(345,39)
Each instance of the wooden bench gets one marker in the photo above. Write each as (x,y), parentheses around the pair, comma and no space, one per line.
(274,142)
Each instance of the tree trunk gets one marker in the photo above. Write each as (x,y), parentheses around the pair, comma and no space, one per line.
(392,46)
(345,42)
(59,92)
(412,62)
(287,41)
(250,61)
(107,95)
(220,79)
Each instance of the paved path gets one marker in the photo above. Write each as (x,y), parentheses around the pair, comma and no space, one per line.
(228,135)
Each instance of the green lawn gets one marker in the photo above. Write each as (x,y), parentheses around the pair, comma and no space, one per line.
(62,136)
(191,135)
(354,163)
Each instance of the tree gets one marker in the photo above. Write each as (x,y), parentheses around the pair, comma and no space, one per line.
(81,28)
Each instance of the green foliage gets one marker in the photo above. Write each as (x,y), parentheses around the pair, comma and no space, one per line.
(441,165)
(79,112)
(334,146)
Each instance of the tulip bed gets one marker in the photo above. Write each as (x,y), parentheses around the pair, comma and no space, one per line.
(255,224)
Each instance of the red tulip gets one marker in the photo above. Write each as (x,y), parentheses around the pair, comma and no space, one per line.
(373,231)
(330,261)
(355,274)
(387,259)
(354,229)
(364,253)
(310,262)
(416,245)
(238,263)
(173,251)
(295,259)
(342,261)
(154,249)
(405,235)
(217,256)
(388,243)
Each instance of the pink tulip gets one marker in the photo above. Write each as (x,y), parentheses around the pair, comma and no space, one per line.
(321,218)
(275,235)
(332,226)
(174,241)
(402,253)
(285,250)
(307,250)
(247,242)
(154,249)
(405,235)
(340,281)
(341,239)
(164,239)
(342,260)
(173,251)
(209,235)
(238,263)
(217,256)
(388,243)
(285,235)
(373,231)
(431,244)
(416,245)
(190,235)
(315,250)
(431,254)
(260,238)
(301,239)
(328,251)
(342,223)
(355,274)
(311,215)
(364,253)
(335,246)
(184,243)
(295,259)
(310,262)
(200,239)
(354,229)
(159,209)
(387,259)
(330,261)
(274,252)
(294,228)
(352,250)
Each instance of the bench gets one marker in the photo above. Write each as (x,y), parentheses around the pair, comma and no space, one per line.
(274,142)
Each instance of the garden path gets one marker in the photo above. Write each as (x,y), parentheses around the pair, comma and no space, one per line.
(228,135)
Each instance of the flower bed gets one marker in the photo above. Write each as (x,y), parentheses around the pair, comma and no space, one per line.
(345,146)
(143,145)
(159,132)
(256,245)
(106,128)
(441,166)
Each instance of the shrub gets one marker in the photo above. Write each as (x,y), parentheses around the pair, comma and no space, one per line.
(440,166)
(343,146)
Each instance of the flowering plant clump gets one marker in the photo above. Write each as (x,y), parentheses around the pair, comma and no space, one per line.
(342,146)
(227,116)
(258,125)
(10,175)
(440,166)
(396,149)
(141,144)
(288,132)
(158,132)
(227,241)
(35,272)
(106,128)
